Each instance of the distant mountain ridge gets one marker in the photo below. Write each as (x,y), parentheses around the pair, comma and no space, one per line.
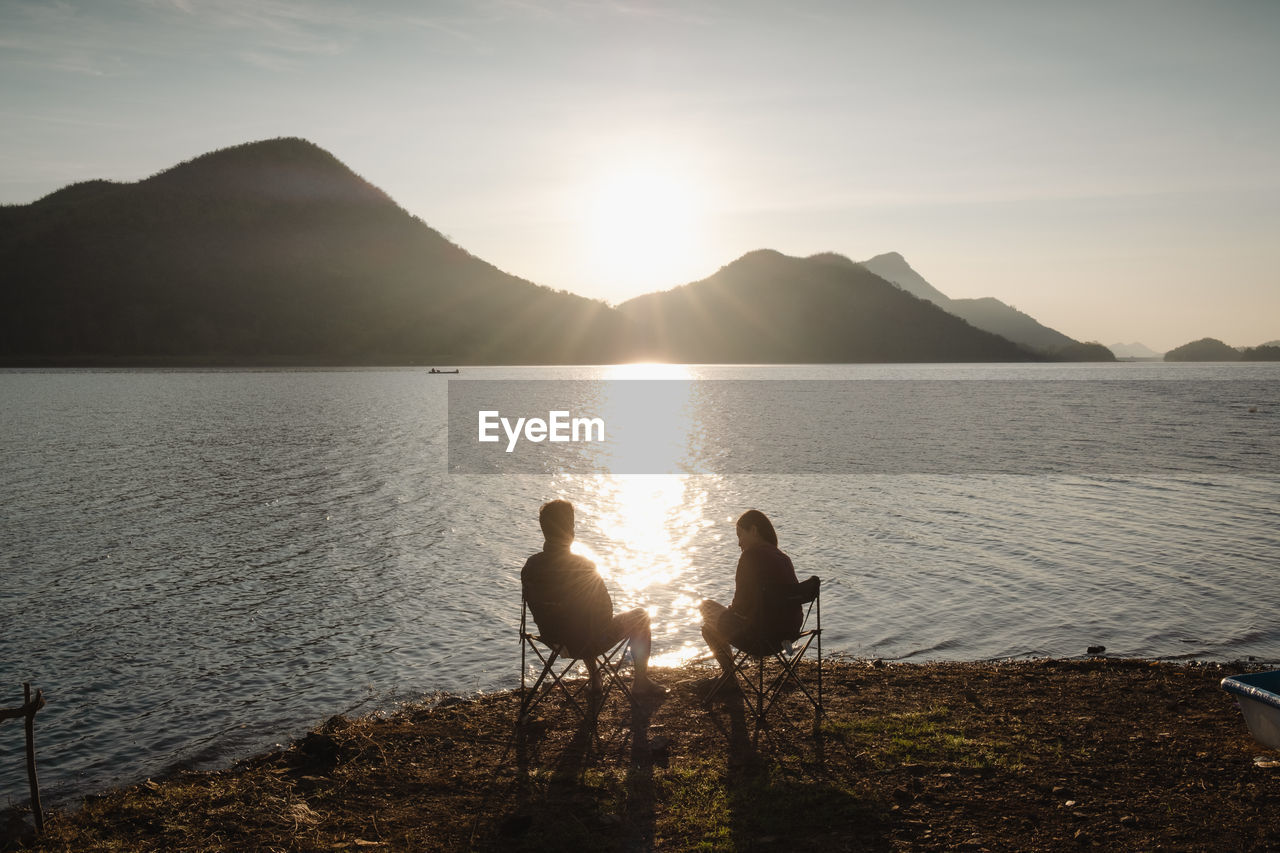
(986,312)
(1134,350)
(770,307)
(276,253)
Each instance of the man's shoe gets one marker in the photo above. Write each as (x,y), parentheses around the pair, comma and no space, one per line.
(649,690)
(722,689)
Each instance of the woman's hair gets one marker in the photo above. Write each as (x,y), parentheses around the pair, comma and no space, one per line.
(556,518)
(757,519)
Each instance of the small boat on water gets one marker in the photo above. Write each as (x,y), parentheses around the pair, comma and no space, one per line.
(434,370)
(1259,696)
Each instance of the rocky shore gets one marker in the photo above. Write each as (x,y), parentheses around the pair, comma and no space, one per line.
(1026,755)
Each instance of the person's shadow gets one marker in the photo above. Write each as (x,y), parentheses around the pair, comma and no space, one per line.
(555,795)
(639,819)
(776,803)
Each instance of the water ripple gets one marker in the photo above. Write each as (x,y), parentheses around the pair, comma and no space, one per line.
(201,564)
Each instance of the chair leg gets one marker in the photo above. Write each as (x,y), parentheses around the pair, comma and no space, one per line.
(531,695)
(759,697)
(587,707)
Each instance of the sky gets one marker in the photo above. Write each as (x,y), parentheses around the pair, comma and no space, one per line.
(1110,167)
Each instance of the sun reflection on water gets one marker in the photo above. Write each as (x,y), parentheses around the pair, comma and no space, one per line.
(644,531)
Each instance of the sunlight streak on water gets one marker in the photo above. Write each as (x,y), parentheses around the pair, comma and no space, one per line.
(648,529)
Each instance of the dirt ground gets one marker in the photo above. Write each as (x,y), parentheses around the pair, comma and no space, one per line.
(1027,755)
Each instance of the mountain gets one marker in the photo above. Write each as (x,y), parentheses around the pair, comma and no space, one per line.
(985,312)
(1264,352)
(268,253)
(1205,349)
(767,307)
(1134,350)
(275,253)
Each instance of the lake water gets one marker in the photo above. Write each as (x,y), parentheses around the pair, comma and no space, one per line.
(200,564)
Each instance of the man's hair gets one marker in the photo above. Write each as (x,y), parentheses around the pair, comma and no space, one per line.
(556,518)
(757,519)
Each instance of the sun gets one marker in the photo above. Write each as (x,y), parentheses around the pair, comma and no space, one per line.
(643,228)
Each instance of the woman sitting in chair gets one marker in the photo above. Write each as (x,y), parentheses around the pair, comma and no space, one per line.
(753,622)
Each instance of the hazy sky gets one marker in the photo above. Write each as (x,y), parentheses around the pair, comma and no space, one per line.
(1112,168)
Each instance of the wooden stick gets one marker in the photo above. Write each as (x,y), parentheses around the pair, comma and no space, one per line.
(31,708)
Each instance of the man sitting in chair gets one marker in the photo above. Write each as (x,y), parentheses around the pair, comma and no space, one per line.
(571,606)
(753,622)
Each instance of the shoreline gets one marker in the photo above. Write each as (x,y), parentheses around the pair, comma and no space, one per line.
(1043,754)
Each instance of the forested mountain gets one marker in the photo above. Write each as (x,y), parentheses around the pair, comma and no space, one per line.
(768,307)
(1212,349)
(268,253)
(1205,349)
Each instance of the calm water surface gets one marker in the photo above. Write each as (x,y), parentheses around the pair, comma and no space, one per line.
(199,564)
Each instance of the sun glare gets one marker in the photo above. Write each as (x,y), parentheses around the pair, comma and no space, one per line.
(649,370)
(650,527)
(643,224)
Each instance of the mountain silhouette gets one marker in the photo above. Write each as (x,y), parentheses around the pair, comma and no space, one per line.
(768,307)
(268,253)
(985,312)
(275,253)
(1205,349)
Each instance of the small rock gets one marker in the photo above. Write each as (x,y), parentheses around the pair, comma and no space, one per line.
(1095,650)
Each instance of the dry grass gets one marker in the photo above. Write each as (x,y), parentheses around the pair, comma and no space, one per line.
(1032,755)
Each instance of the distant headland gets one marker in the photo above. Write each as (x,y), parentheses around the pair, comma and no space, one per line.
(1212,349)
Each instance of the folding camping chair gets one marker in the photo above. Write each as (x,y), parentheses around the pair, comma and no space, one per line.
(767,668)
(558,664)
